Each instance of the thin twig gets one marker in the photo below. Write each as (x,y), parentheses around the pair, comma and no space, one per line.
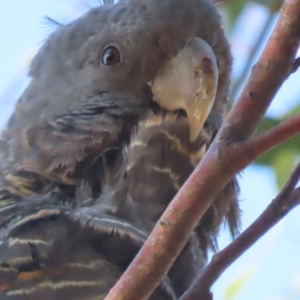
(253,148)
(286,200)
(273,67)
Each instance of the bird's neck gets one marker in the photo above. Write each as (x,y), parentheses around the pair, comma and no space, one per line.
(58,156)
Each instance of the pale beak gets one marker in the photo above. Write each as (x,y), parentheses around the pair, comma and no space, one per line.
(189,82)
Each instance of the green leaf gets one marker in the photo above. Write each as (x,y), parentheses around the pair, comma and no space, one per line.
(238,284)
(283,164)
(232,9)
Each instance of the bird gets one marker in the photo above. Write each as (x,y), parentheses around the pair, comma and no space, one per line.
(51,252)
(36,243)
(93,85)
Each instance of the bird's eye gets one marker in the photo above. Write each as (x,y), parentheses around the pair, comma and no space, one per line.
(111,56)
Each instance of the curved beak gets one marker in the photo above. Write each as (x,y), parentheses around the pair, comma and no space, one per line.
(189,81)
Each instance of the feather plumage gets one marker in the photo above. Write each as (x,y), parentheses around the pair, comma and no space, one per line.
(72,124)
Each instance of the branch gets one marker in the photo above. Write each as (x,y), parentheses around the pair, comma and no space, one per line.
(251,149)
(181,217)
(286,200)
(273,67)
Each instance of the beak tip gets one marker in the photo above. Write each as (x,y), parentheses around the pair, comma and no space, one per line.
(193,135)
(196,124)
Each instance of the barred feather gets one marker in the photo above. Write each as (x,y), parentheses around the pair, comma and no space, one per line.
(156,164)
(56,253)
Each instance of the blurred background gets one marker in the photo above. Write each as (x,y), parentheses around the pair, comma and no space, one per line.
(270,270)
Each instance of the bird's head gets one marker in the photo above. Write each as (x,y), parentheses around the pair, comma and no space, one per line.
(122,58)
(95,78)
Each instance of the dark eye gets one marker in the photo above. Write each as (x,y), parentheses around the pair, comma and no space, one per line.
(111,56)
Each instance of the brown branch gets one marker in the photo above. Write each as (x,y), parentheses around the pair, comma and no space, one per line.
(215,170)
(273,137)
(251,149)
(286,200)
(273,67)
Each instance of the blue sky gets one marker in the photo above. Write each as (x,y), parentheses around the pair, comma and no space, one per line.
(272,266)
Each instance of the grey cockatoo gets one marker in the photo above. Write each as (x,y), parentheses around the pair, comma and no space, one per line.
(92,82)
(94,79)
